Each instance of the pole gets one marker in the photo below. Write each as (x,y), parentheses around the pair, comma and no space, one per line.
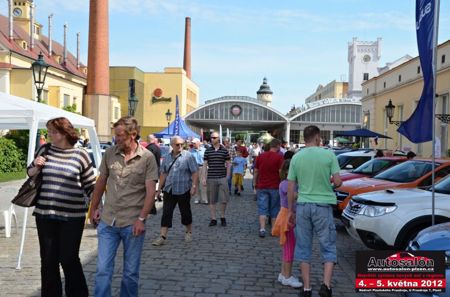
(433,158)
(168,129)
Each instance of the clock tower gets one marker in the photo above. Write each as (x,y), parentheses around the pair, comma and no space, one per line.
(363,58)
(23,12)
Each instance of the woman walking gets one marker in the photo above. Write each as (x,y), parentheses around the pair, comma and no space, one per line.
(67,182)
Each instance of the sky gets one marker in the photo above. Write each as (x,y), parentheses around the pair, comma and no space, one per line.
(296,44)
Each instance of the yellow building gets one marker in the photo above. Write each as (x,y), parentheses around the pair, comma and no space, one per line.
(66,76)
(156,92)
(334,89)
(403,85)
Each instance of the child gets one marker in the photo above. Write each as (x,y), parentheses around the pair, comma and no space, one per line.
(239,167)
(286,233)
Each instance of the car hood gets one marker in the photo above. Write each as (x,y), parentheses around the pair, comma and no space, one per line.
(350,175)
(394,195)
(366,184)
(436,237)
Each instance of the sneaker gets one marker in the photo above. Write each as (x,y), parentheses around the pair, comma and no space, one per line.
(292,281)
(213,223)
(188,237)
(280,278)
(239,194)
(304,293)
(262,233)
(235,191)
(324,291)
(159,241)
(196,201)
(223,222)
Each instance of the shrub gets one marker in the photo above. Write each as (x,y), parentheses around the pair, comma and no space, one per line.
(20,138)
(11,158)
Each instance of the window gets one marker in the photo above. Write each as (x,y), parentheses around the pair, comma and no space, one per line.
(116,112)
(400,78)
(418,69)
(66,100)
(443,59)
(366,76)
(384,85)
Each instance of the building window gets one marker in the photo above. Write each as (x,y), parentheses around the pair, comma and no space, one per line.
(418,69)
(443,59)
(384,85)
(366,76)
(66,100)
(116,112)
(367,91)
(400,78)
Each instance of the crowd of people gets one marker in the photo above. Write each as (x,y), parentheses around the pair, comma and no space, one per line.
(292,192)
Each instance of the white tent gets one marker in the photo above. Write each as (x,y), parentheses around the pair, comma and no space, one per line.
(22,114)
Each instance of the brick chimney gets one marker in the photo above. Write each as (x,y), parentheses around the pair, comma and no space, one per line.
(187,48)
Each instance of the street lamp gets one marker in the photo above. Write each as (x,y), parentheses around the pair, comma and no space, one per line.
(168,117)
(39,68)
(132,104)
(390,113)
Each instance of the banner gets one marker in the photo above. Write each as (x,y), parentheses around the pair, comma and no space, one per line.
(418,128)
(176,126)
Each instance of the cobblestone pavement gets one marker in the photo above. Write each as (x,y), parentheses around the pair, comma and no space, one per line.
(220,261)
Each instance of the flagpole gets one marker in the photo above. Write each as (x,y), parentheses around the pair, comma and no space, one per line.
(433,158)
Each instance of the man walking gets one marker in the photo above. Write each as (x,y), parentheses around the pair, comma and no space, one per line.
(266,179)
(217,161)
(178,182)
(154,148)
(199,153)
(129,171)
(311,168)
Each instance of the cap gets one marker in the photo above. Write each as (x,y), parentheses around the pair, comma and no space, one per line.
(195,140)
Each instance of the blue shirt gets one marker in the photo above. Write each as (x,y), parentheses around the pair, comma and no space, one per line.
(198,155)
(239,165)
(179,179)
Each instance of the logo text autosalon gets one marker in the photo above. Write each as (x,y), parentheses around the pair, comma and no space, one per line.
(412,264)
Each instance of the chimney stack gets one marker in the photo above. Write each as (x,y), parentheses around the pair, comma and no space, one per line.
(78,50)
(65,44)
(50,50)
(187,48)
(11,33)
(32,26)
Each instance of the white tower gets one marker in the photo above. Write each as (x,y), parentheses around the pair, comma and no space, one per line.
(264,94)
(363,57)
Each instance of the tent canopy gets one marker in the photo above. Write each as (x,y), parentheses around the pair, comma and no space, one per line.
(22,114)
(185,131)
(362,133)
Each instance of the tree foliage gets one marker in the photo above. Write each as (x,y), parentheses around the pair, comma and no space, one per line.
(11,158)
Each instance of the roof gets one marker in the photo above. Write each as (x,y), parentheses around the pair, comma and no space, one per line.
(39,46)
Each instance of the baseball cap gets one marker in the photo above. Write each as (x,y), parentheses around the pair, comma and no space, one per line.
(195,140)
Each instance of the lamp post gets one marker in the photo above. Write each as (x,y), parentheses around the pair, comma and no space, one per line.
(39,68)
(132,104)
(168,117)
(390,113)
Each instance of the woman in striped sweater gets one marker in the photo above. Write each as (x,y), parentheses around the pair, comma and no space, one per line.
(67,183)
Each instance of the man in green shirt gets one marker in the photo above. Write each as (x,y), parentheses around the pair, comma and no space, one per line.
(311,169)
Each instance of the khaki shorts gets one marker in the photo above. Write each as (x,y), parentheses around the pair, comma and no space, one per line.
(238,179)
(217,190)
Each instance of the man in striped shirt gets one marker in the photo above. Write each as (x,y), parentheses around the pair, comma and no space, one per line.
(217,160)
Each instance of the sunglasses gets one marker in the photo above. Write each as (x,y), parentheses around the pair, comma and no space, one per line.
(214,137)
(178,144)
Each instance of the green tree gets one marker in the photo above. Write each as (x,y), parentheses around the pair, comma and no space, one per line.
(11,158)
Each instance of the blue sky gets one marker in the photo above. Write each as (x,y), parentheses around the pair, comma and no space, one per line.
(296,44)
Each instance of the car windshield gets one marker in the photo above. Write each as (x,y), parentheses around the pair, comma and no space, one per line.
(355,161)
(443,186)
(372,167)
(405,172)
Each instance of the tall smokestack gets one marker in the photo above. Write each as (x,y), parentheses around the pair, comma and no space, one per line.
(50,50)
(10,15)
(187,48)
(98,49)
(65,44)
(32,26)
(78,50)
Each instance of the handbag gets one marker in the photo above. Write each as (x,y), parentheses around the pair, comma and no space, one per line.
(29,191)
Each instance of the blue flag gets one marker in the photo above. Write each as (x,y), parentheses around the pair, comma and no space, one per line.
(418,128)
(176,126)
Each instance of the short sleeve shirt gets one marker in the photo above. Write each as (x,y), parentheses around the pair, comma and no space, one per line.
(217,162)
(269,165)
(125,187)
(312,168)
(179,178)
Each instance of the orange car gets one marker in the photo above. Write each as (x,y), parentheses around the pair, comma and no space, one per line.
(410,174)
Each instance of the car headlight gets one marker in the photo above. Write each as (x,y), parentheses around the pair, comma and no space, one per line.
(376,210)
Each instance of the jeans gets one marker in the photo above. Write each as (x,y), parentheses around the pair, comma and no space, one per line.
(109,238)
(315,218)
(59,243)
(268,202)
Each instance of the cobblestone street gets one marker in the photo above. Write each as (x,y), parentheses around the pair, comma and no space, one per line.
(220,262)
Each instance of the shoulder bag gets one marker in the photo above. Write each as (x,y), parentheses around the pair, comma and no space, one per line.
(29,191)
